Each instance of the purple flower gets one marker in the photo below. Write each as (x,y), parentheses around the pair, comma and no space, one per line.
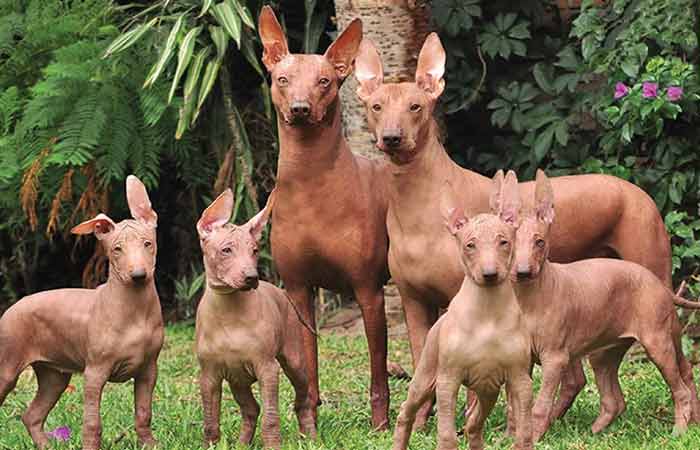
(674,93)
(621,90)
(60,433)
(649,89)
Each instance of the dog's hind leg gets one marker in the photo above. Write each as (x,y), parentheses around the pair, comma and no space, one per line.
(605,365)
(573,381)
(52,384)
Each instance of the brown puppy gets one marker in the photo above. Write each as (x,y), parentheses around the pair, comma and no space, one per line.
(595,304)
(330,216)
(481,341)
(246,329)
(112,333)
(598,215)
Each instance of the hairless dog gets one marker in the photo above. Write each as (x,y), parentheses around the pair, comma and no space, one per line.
(481,341)
(246,329)
(330,216)
(112,333)
(598,215)
(599,306)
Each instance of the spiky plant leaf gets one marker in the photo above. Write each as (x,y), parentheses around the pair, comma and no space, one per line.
(183,58)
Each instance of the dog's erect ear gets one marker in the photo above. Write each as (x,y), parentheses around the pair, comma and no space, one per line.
(495,198)
(452,213)
(368,70)
(343,50)
(544,198)
(510,202)
(216,215)
(139,203)
(100,225)
(274,42)
(431,66)
(257,223)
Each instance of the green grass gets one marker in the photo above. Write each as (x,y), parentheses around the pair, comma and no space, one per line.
(344,416)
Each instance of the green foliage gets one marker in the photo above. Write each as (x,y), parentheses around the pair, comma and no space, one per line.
(550,96)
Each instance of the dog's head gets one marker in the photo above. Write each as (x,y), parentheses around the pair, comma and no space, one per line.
(231,251)
(129,244)
(305,87)
(486,241)
(532,238)
(401,114)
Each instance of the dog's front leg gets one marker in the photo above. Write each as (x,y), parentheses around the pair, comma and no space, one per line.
(519,388)
(553,366)
(446,388)
(95,380)
(210,391)
(144,384)
(269,383)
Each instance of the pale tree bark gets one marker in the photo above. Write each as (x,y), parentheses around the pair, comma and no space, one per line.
(397,28)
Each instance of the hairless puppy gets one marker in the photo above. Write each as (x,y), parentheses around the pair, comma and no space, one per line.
(599,215)
(246,329)
(330,217)
(481,340)
(599,306)
(112,333)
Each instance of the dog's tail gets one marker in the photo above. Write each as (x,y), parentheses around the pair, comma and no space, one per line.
(683,303)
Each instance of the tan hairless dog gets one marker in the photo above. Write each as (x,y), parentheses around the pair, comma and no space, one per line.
(578,308)
(246,329)
(481,341)
(330,216)
(112,333)
(598,215)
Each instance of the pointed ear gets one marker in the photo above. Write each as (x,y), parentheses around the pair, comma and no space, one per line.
(139,203)
(495,199)
(544,198)
(100,225)
(216,215)
(368,70)
(258,222)
(274,42)
(343,50)
(509,208)
(431,66)
(451,212)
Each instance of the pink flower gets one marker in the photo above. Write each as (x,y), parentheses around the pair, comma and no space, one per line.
(621,90)
(674,93)
(60,434)
(649,89)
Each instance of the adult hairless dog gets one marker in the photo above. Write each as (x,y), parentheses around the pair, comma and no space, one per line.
(246,329)
(595,305)
(598,215)
(330,213)
(112,333)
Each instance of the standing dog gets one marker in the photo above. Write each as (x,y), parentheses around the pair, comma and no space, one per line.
(598,215)
(595,305)
(112,333)
(330,216)
(246,329)
(481,341)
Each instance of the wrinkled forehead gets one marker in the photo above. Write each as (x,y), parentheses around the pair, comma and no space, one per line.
(399,93)
(132,229)
(229,234)
(304,65)
(530,226)
(487,227)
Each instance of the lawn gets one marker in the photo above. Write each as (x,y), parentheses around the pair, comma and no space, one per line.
(344,416)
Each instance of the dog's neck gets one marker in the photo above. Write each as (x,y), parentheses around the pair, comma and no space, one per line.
(234,302)
(491,301)
(131,301)
(530,293)
(311,149)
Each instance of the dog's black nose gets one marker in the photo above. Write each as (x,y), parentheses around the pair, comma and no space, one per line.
(392,139)
(300,109)
(490,275)
(138,274)
(252,280)
(523,274)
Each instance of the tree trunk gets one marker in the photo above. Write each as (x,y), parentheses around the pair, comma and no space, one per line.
(397,28)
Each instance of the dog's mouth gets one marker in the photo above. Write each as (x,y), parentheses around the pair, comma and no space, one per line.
(398,155)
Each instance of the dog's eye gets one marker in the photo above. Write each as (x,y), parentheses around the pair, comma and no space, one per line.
(117,249)
(324,82)
(282,81)
(540,243)
(256,251)
(415,107)
(226,250)
(504,243)
(376,107)
(470,246)
(147,244)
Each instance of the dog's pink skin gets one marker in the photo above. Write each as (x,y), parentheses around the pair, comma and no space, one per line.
(245,329)
(599,306)
(481,341)
(329,224)
(597,215)
(112,333)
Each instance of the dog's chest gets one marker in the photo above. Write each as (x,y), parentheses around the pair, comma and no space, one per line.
(133,350)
